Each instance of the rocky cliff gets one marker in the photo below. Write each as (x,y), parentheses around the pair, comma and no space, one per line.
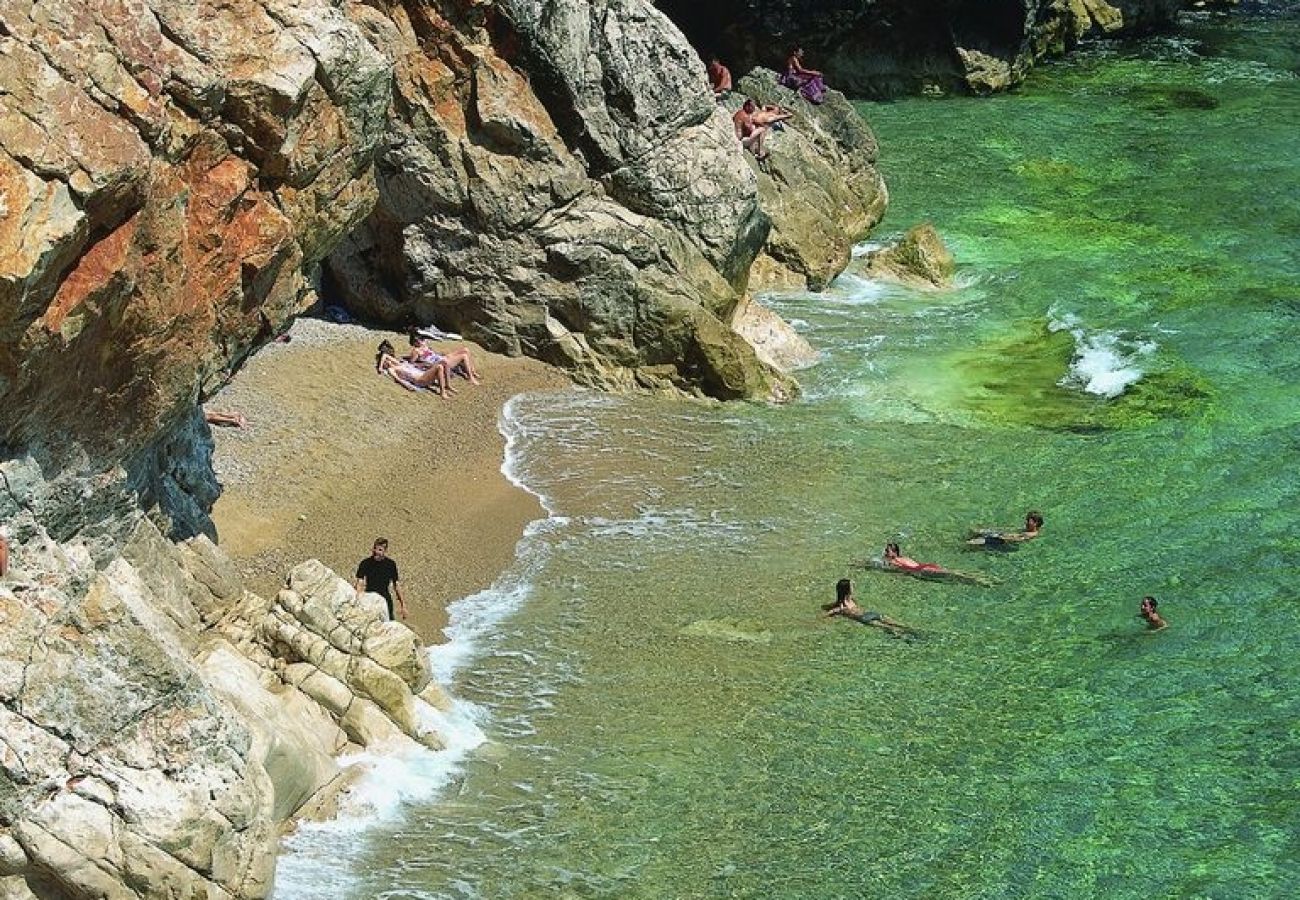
(177,181)
(159,724)
(881,48)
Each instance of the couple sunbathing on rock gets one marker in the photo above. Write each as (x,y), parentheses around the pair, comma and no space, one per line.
(424,368)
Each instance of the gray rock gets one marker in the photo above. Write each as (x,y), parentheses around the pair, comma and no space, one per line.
(820,188)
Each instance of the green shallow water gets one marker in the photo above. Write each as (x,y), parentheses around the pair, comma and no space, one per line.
(666,714)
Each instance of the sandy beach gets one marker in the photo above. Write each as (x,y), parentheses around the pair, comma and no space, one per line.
(335,455)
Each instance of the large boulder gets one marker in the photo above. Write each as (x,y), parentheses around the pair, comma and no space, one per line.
(560,185)
(820,186)
(919,259)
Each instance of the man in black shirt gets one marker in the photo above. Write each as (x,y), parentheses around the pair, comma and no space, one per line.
(376,572)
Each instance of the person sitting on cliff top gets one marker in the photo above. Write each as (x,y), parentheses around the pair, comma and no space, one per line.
(749,132)
(719,77)
(894,560)
(456,361)
(1004,538)
(225,419)
(808,82)
(845,606)
(411,376)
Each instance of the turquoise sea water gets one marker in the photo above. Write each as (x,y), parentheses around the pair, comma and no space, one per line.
(667,716)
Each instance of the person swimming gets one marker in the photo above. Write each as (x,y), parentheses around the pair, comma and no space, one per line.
(1002,539)
(894,560)
(847,607)
(1147,612)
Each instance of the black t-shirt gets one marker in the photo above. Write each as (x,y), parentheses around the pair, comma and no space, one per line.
(379,574)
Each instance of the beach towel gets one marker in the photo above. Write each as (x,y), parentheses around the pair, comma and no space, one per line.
(437,334)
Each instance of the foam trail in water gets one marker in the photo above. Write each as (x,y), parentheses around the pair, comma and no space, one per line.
(318,857)
(1105,363)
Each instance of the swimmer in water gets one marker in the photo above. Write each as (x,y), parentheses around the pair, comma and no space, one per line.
(1000,539)
(895,560)
(845,606)
(1147,612)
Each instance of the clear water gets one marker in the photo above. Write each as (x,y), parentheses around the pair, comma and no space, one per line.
(667,715)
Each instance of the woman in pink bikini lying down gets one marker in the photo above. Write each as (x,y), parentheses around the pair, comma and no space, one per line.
(457,360)
(409,375)
(896,561)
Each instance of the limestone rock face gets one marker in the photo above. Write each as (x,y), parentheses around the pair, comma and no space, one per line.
(820,187)
(558,181)
(169,172)
(159,723)
(920,259)
(881,48)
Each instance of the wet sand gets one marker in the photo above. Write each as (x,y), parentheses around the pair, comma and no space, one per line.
(335,456)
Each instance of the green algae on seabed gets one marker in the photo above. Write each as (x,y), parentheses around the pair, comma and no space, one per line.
(1165,97)
(1018,381)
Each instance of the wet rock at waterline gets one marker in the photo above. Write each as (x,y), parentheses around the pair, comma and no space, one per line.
(920,259)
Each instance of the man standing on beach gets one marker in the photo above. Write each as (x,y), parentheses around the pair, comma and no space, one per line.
(376,573)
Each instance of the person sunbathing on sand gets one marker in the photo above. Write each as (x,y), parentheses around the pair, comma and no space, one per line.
(457,360)
(225,419)
(894,560)
(845,606)
(998,539)
(409,375)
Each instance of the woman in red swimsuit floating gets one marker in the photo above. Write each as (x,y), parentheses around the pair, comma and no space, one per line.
(895,560)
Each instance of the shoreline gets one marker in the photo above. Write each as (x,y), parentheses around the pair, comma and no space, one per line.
(335,456)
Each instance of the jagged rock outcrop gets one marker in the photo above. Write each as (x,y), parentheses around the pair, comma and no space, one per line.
(881,48)
(919,259)
(158,724)
(820,187)
(569,190)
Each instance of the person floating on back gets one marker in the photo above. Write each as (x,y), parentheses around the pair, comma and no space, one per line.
(845,606)
(376,573)
(1147,612)
(894,560)
(1003,539)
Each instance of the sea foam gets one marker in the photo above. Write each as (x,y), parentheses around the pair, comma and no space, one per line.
(1105,363)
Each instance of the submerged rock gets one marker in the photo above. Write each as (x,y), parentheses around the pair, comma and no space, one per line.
(1025,380)
(920,259)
